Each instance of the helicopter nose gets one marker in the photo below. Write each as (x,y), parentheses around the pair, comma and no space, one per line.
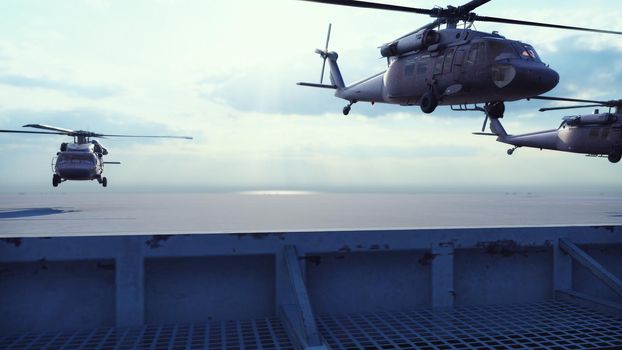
(535,78)
(545,78)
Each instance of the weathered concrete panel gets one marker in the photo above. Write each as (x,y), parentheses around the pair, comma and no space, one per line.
(209,288)
(57,295)
(368,282)
(503,273)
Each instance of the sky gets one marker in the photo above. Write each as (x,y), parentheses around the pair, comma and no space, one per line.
(224,72)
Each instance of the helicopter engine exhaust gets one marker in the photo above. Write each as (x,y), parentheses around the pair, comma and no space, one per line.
(413,42)
(594,119)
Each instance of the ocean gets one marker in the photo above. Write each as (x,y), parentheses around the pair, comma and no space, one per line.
(60,214)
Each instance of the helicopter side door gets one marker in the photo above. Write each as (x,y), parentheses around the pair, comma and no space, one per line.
(472,62)
(423,71)
(458,62)
(442,77)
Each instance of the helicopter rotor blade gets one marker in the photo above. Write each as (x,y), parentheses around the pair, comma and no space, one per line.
(49,127)
(546,109)
(540,24)
(374,5)
(144,136)
(325,52)
(472,5)
(33,132)
(553,98)
(430,25)
(485,122)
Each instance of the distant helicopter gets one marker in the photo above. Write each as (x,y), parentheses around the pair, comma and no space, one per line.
(430,67)
(598,134)
(81,159)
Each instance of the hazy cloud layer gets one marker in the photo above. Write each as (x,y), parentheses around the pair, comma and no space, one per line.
(65,87)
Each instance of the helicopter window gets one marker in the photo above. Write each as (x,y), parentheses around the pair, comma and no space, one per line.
(472,56)
(422,67)
(529,53)
(76,158)
(409,69)
(499,50)
(438,67)
(448,58)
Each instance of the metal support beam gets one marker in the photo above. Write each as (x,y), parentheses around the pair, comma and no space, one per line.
(562,268)
(294,307)
(605,306)
(443,294)
(130,289)
(588,262)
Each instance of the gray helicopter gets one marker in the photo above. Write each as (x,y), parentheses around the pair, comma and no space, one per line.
(452,66)
(81,159)
(597,134)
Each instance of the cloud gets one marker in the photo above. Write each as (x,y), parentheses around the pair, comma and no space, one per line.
(69,88)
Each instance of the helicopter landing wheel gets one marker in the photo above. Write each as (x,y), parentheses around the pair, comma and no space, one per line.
(614,157)
(428,103)
(104,181)
(55,180)
(495,109)
(510,151)
(346,109)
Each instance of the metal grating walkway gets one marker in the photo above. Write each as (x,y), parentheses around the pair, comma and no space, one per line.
(253,334)
(547,325)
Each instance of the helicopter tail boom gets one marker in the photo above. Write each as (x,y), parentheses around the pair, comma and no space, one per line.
(497,129)
(335,73)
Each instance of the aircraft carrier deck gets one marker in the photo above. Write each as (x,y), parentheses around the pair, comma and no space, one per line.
(81,275)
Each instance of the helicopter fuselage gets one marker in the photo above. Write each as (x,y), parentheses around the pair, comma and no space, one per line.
(79,161)
(463,67)
(78,165)
(596,134)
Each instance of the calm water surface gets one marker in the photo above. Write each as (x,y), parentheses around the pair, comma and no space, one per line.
(112,213)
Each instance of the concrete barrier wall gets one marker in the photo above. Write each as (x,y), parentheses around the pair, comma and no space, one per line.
(90,282)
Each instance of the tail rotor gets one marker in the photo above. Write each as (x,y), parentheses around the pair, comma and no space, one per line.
(324,53)
(336,80)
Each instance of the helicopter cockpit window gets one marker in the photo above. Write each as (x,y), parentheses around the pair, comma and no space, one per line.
(499,50)
(529,53)
(76,158)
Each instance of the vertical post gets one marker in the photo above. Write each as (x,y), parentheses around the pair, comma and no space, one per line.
(130,280)
(293,304)
(443,275)
(562,268)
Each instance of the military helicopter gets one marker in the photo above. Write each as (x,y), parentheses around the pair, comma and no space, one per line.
(81,159)
(598,134)
(452,66)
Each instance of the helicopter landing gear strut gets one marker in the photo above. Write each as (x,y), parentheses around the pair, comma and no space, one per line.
(511,150)
(56,180)
(103,181)
(346,109)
